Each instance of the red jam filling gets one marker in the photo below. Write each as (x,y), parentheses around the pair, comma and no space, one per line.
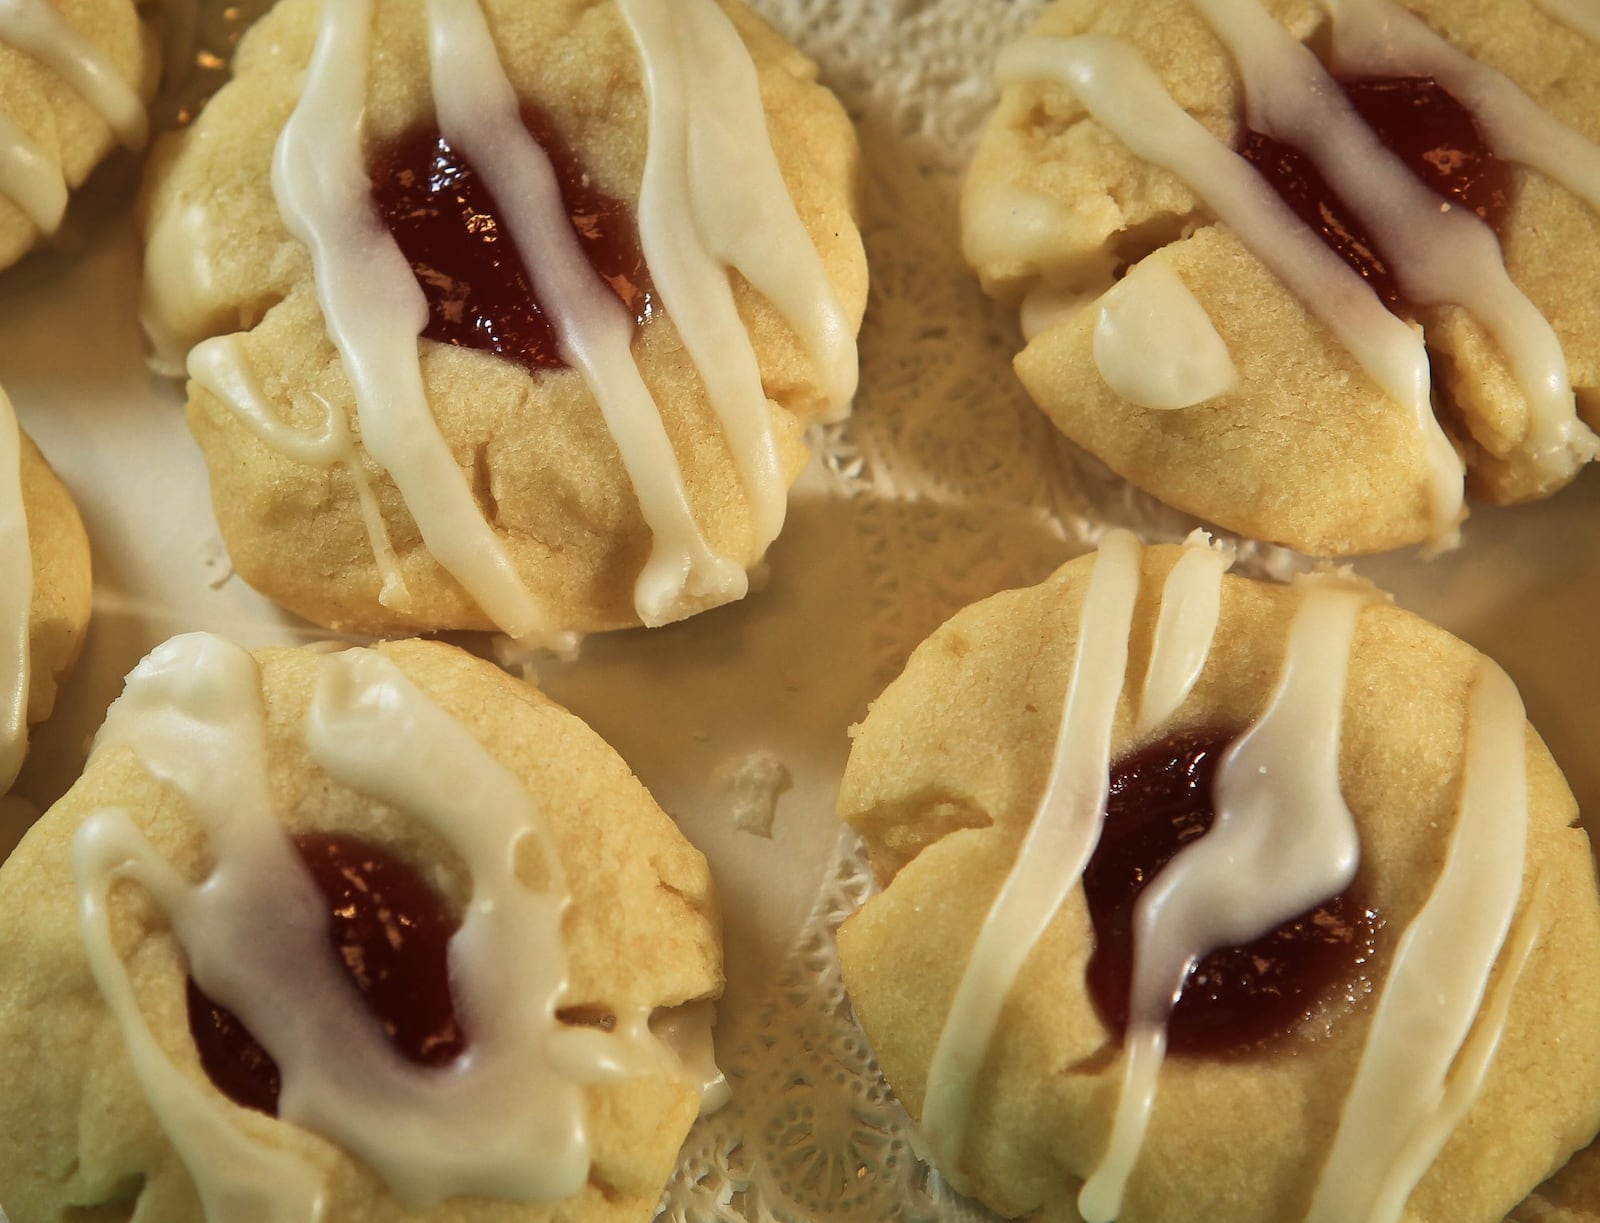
(1237,1000)
(446,223)
(391,931)
(1433,134)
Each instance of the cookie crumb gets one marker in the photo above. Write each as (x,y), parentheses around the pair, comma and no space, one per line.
(215,563)
(753,782)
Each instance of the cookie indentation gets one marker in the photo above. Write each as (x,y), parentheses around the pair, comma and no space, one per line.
(390,930)
(445,220)
(1237,1000)
(1429,131)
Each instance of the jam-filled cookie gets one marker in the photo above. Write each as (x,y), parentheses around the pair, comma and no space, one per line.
(623,231)
(359,935)
(44,589)
(1320,824)
(1305,268)
(74,77)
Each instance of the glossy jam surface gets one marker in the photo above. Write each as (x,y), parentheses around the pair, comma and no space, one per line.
(391,931)
(1237,1000)
(479,295)
(1432,133)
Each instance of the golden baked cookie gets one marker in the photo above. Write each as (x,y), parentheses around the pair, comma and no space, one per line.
(44,600)
(1327,830)
(601,420)
(255,833)
(1240,300)
(74,79)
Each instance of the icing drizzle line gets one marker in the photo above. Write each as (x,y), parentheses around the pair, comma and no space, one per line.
(222,367)
(1580,15)
(1440,974)
(1060,839)
(1285,766)
(16,598)
(30,178)
(693,229)
(506,1119)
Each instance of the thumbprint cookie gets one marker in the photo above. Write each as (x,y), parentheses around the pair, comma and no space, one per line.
(360,935)
(1312,270)
(1211,898)
(507,315)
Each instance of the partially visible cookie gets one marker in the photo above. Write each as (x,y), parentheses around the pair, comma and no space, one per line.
(1331,834)
(45,600)
(1571,1196)
(1153,187)
(252,836)
(74,79)
(599,424)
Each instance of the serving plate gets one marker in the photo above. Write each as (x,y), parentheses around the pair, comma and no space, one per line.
(944,486)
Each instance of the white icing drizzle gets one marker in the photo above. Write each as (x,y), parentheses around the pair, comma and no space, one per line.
(222,367)
(1440,254)
(504,1120)
(235,1178)
(1154,343)
(1061,837)
(1580,15)
(16,599)
(1440,972)
(1119,90)
(1283,841)
(30,179)
(177,271)
(375,311)
(1191,602)
(479,115)
(686,1030)
(693,285)
(708,132)
(1469,1070)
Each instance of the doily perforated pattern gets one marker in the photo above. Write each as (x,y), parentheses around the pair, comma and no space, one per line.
(813,1133)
